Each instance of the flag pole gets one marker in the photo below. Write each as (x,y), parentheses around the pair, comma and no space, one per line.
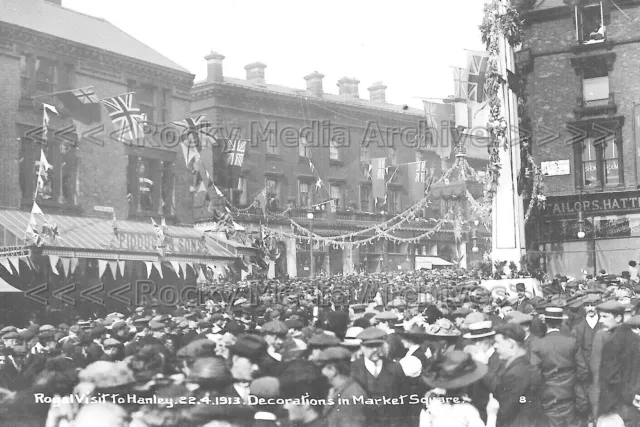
(60,92)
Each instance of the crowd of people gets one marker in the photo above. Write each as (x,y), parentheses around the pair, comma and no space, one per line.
(428,348)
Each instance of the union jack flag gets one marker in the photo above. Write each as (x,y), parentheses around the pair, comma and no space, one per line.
(430,114)
(421,170)
(461,82)
(194,133)
(235,152)
(477,70)
(86,95)
(128,121)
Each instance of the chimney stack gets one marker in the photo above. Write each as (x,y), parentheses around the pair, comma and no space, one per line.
(348,87)
(377,93)
(255,73)
(314,83)
(214,67)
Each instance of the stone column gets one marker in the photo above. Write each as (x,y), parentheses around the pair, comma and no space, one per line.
(508,240)
(292,257)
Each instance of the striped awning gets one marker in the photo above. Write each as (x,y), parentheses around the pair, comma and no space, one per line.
(133,240)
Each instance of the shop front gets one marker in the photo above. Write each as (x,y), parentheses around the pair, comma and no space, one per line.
(591,232)
(90,266)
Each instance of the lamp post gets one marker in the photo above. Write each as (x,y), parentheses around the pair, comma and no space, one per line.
(312,261)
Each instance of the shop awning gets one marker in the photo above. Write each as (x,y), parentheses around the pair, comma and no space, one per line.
(5,287)
(435,261)
(84,236)
(234,247)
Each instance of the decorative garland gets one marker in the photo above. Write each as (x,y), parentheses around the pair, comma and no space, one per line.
(538,199)
(494,25)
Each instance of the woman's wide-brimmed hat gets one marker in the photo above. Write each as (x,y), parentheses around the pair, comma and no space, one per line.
(455,369)
(442,328)
(415,333)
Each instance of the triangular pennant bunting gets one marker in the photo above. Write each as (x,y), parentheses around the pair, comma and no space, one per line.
(190,264)
(201,277)
(72,265)
(66,262)
(148,265)
(53,260)
(158,266)
(6,264)
(113,266)
(102,266)
(176,267)
(121,267)
(15,262)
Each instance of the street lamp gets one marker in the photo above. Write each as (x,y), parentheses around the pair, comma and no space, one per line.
(581,233)
(311,256)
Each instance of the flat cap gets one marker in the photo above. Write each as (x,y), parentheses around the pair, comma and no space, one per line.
(12,335)
(519,318)
(372,336)
(217,316)
(294,324)
(197,348)
(142,320)
(323,340)
(118,325)
(386,316)
(275,327)
(359,308)
(156,326)
(45,328)
(110,342)
(7,329)
(611,307)
(334,354)
(250,346)
(634,321)
(27,334)
(265,387)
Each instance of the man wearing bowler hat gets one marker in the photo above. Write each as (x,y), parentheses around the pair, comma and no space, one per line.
(380,377)
(561,364)
(523,304)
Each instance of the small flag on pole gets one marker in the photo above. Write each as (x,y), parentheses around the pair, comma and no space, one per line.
(45,119)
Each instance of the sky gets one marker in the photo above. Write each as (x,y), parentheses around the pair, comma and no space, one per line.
(410,46)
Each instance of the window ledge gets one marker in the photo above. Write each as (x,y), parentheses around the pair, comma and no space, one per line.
(27,203)
(608,109)
(273,156)
(592,45)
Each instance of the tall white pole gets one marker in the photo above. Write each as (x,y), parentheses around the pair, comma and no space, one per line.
(508,239)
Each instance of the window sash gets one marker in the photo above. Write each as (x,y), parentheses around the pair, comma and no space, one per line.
(595,89)
(272,146)
(303,147)
(364,154)
(334,151)
(365,197)
(392,153)
(45,75)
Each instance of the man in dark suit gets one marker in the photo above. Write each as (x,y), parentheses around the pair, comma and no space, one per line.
(523,304)
(380,377)
(620,366)
(524,320)
(584,331)
(413,340)
(562,364)
(518,386)
(336,366)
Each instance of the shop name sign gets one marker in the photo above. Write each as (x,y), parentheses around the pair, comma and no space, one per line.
(143,242)
(593,203)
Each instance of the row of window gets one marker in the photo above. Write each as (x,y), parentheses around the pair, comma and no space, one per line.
(600,164)
(40,76)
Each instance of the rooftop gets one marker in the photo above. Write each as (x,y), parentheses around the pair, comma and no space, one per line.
(57,21)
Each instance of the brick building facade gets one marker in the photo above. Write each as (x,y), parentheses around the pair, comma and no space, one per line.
(581,91)
(46,48)
(287,128)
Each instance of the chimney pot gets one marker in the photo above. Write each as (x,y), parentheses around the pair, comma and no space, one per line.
(214,67)
(314,83)
(348,87)
(377,92)
(255,73)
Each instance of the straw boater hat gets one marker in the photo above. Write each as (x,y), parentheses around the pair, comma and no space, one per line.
(456,369)
(480,330)
(442,328)
(555,313)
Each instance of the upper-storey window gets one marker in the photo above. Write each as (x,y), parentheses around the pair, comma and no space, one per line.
(591,23)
